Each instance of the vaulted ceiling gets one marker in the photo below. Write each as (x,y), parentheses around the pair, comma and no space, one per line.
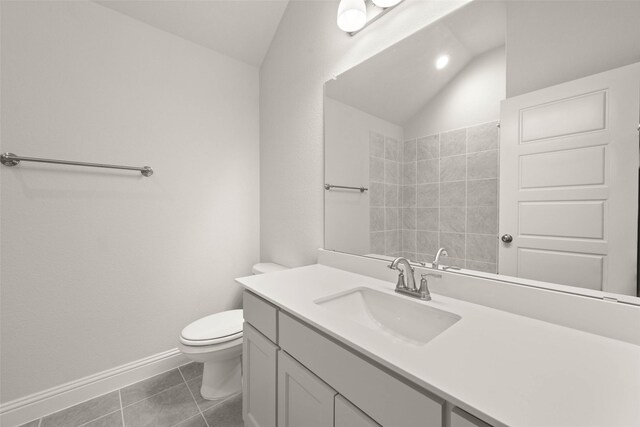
(241,29)
(400,80)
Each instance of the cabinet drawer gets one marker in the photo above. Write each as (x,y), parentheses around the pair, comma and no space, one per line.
(261,315)
(347,415)
(460,418)
(385,398)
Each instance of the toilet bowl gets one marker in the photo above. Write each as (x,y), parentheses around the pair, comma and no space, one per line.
(216,341)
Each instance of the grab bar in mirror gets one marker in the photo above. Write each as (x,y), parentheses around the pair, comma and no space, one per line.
(330,186)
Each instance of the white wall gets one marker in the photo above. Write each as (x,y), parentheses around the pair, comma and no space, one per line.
(101,268)
(551,42)
(472,97)
(307,50)
(347,132)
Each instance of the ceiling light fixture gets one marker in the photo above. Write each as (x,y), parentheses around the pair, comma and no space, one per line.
(442,62)
(386,3)
(354,15)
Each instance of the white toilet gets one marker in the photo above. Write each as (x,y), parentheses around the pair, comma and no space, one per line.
(216,341)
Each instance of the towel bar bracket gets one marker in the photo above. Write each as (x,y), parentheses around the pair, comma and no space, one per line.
(6,159)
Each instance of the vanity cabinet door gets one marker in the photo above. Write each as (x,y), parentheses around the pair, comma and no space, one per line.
(304,400)
(460,418)
(348,415)
(259,389)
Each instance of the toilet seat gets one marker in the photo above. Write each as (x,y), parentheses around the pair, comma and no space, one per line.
(214,329)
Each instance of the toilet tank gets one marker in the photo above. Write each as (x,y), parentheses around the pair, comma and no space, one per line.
(267,267)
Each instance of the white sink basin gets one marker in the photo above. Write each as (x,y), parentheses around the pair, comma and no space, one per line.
(392,315)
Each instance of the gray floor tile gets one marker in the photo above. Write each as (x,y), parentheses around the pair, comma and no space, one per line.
(226,414)
(191,370)
(196,421)
(83,412)
(165,409)
(114,419)
(146,388)
(203,404)
(33,423)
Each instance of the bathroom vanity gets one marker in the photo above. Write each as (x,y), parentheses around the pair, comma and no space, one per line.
(327,347)
(526,176)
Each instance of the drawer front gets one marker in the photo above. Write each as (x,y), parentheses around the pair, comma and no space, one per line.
(460,418)
(261,315)
(385,398)
(348,415)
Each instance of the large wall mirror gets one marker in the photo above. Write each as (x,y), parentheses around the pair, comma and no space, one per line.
(506,133)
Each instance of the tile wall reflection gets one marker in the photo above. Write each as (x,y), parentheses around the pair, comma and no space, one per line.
(385,194)
(449,197)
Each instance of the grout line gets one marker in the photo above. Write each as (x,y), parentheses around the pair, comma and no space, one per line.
(466,193)
(467,153)
(196,415)
(194,398)
(40,422)
(439,188)
(95,419)
(121,408)
(153,395)
(79,403)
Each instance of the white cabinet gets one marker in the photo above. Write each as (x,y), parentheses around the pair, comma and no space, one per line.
(347,415)
(259,386)
(385,398)
(261,315)
(292,375)
(304,400)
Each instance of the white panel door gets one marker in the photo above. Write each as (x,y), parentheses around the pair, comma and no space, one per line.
(259,390)
(569,182)
(304,400)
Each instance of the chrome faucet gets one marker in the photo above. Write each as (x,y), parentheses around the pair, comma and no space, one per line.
(436,262)
(409,288)
(411,280)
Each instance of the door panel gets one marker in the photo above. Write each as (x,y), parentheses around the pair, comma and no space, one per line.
(585,113)
(304,400)
(559,219)
(569,182)
(259,361)
(569,268)
(566,168)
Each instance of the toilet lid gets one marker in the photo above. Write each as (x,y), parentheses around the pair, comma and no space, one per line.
(219,327)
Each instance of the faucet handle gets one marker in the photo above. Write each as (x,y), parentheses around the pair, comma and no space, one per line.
(423,281)
(401,284)
(424,288)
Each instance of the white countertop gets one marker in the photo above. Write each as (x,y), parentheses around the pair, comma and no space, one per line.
(504,368)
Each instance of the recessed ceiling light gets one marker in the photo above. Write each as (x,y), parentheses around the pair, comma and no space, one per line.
(442,62)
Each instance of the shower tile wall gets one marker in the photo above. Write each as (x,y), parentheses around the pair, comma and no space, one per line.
(384,194)
(449,197)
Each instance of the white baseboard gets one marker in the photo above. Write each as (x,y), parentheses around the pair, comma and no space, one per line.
(34,406)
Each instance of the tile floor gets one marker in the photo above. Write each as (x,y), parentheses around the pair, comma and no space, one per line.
(170,399)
